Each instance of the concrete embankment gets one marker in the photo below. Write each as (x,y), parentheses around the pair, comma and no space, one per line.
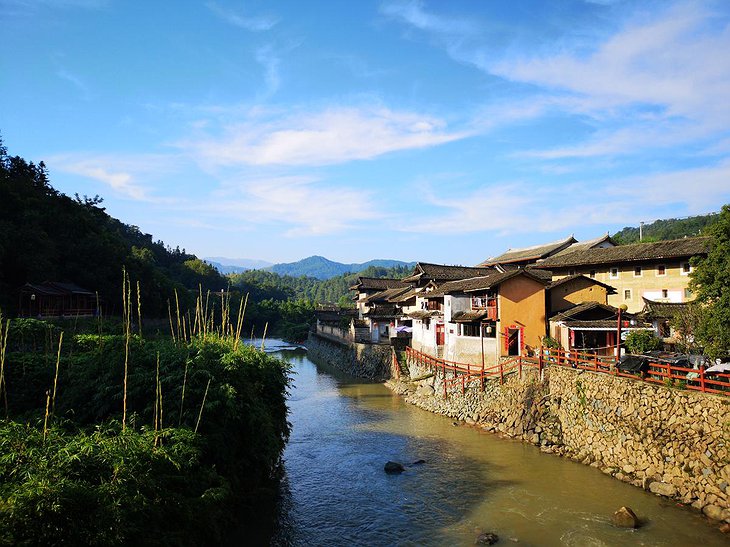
(671,442)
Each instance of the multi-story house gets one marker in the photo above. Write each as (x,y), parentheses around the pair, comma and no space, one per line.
(520,258)
(655,271)
(484,318)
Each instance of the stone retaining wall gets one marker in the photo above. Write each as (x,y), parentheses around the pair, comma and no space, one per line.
(370,361)
(674,443)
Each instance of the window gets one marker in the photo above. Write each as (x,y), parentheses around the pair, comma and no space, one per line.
(470,329)
(613,273)
(627,294)
(661,270)
(593,274)
(685,268)
(637,271)
(688,293)
(571,272)
(665,293)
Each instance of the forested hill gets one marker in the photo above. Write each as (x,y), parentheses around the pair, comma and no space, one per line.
(322,268)
(48,236)
(672,228)
(263,284)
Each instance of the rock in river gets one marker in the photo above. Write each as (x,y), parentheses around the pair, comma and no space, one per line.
(394,467)
(486,538)
(625,518)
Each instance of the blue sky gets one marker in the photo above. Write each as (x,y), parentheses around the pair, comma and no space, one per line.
(419,130)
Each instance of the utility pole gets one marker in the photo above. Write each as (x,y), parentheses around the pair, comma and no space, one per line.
(641,230)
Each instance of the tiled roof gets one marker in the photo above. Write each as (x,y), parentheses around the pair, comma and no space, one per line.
(589,244)
(482,282)
(442,272)
(526,254)
(603,324)
(404,297)
(468,316)
(637,252)
(377,283)
(564,280)
(580,309)
(663,309)
(423,314)
(386,295)
(54,288)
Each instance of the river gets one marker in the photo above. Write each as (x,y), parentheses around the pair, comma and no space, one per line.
(335,492)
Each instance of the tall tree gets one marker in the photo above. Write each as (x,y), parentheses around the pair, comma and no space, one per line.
(711,281)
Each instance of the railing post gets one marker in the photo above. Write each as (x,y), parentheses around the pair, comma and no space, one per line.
(540,363)
(595,362)
(501,372)
(702,378)
(519,367)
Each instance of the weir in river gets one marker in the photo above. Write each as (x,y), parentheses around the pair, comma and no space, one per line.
(335,492)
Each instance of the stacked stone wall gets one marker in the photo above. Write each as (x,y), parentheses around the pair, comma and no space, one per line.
(671,442)
(370,361)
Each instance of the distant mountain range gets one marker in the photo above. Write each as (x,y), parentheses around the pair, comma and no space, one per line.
(314,266)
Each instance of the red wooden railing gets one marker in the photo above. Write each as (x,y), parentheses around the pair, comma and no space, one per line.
(454,373)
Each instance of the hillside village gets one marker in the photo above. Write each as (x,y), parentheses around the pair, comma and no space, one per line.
(583,296)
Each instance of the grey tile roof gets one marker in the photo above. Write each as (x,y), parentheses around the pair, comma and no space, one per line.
(482,282)
(637,252)
(377,283)
(569,278)
(528,254)
(442,272)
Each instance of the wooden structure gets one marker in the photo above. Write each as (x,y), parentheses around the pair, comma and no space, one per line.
(54,299)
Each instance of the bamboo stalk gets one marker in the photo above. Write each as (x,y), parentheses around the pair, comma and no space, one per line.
(169,314)
(263,339)
(177,311)
(202,405)
(45,419)
(126,312)
(139,310)
(3,349)
(239,323)
(55,378)
(182,398)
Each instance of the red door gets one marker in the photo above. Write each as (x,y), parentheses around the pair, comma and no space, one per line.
(440,334)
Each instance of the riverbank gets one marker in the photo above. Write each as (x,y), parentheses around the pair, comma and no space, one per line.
(670,442)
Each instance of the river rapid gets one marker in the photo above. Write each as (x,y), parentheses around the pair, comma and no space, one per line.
(335,492)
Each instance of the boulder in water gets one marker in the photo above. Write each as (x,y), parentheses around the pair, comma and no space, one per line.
(486,538)
(625,518)
(393,468)
(418,462)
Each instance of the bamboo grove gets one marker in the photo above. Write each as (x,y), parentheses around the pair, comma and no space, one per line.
(112,433)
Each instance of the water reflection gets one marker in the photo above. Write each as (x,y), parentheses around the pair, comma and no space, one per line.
(335,491)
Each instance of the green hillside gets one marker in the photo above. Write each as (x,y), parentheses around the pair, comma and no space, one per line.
(48,236)
(322,268)
(672,228)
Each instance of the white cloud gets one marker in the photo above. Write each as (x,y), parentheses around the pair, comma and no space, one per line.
(127,175)
(76,81)
(251,23)
(335,135)
(303,203)
(412,13)
(270,62)
(523,207)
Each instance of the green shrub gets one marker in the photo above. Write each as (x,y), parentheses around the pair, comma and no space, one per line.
(641,341)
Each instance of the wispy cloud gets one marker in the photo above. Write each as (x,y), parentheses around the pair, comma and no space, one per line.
(79,84)
(302,204)
(270,62)
(331,136)
(252,23)
(526,207)
(413,13)
(129,176)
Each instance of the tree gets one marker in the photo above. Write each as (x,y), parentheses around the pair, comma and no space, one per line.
(641,341)
(710,280)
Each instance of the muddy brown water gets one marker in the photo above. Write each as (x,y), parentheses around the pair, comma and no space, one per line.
(335,491)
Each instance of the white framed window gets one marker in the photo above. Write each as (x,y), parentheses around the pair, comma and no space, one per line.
(665,293)
(613,273)
(685,268)
(627,294)
(637,271)
(661,270)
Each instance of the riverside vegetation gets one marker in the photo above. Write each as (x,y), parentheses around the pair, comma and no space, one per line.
(113,437)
